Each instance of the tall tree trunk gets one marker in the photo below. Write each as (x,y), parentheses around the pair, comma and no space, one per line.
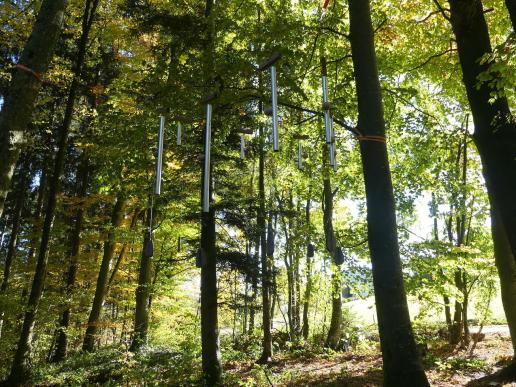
(401,364)
(266,355)
(64,322)
(309,285)
(254,285)
(20,370)
(506,271)
(100,290)
(446,298)
(211,362)
(495,128)
(42,190)
(25,84)
(15,229)
(335,330)
(141,313)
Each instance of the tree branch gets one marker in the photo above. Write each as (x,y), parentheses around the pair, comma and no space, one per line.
(432,57)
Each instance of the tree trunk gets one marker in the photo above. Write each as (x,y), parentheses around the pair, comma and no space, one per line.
(495,129)
(100,290)
(62,335)
(335,330)
(42,189)
(15,229)
(266,355)
(401,364)
(25,84)
(20,369)
(254,286)
(308,289)
(141,313)
(211,363)
(506,271)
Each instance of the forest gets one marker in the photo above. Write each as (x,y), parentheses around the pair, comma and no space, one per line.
(257,193)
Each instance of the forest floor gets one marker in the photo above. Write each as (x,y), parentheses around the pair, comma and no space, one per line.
(445,366)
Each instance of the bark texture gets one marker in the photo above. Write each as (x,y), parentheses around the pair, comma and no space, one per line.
(25,85)
(401,365)
(495,129)
(103,277)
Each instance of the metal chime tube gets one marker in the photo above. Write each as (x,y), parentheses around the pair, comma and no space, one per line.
(299,155)
(242,147)
(159,161)
(179,133)
(334,153)
(207,161)
(275,137)
(332,147)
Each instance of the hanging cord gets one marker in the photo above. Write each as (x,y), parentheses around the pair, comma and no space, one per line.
(381,139)
(29,71)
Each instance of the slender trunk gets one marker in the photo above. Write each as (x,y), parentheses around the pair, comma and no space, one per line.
(309,285)
(446,299)
(42,189)
(20,368)
(211,362)
(401,364)
(15,229)
(24,87)
(335,330)
(62,335)
(121,254)
(141,313)
(506,271)
(266,355)
(254,286)
(495,128)
(102,279)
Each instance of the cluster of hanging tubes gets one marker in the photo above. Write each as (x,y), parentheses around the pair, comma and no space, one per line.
(269,64)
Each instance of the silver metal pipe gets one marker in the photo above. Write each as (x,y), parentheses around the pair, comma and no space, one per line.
(179,133)
(159,161)
(334,152)
(327,118)
(207,161)
(275,136)
(332,155)
(299,155)
(242,147)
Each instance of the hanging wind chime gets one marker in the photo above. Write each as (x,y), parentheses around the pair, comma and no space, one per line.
(300,155)
(148,244)
(328,119)
(243,132)
(179,133)
(271,63)
(207,153)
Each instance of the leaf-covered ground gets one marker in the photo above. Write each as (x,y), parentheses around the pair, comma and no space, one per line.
(445,366)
